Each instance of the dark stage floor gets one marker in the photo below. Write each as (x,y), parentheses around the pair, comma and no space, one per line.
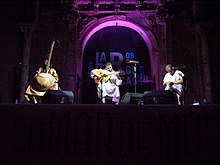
(58,134)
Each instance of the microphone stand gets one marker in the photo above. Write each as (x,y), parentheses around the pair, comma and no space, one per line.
(101,94)
(135,77)
(135,73)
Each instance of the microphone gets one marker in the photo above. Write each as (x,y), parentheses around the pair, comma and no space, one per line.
(178,67)
(132,62)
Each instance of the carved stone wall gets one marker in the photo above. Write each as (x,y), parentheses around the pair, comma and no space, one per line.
(149,16)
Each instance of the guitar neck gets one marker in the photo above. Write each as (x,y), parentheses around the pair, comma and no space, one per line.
(50,55)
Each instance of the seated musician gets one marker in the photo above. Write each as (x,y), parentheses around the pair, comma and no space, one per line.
(46,78)
(173,80)
(108,82)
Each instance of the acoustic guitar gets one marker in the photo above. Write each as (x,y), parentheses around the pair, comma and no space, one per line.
(175,88)
(103,75)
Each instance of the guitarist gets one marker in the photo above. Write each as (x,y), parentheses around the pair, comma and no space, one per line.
(108,82)
(173,80)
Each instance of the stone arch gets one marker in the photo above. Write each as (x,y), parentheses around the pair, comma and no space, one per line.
(98,24)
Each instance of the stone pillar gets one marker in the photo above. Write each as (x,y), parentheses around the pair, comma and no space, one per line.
(27,29)
(205,91)
(73,73)
(163,58)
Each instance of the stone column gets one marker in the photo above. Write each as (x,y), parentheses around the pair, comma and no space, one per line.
(163,58)
(27,29)
(203,62)
(74,78)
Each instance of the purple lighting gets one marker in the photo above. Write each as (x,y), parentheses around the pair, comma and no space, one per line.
(139,30)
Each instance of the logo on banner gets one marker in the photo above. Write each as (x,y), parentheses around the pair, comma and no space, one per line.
(119,63)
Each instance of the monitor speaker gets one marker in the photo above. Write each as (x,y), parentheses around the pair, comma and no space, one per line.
(58,97)
(159,97)
(132,98)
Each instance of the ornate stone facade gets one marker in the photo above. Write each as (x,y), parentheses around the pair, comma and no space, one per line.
(84,16)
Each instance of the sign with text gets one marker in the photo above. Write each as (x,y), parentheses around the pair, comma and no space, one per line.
(117,45)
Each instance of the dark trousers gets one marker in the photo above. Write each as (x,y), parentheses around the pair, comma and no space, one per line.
(108,100)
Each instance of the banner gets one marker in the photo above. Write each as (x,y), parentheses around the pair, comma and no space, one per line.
(117,45)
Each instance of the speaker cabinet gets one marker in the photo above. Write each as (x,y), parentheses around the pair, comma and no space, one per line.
(58,97)
(132,98)
(159,97)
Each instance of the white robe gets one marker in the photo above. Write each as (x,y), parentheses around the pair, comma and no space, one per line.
(109,88)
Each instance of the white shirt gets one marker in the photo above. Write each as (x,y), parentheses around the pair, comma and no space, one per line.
(109,88)
(174,78)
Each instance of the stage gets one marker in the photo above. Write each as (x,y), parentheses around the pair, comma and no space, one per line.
(96,134)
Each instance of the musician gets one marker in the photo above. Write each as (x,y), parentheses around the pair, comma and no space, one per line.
(34,91)
(173,80)
(108,84)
